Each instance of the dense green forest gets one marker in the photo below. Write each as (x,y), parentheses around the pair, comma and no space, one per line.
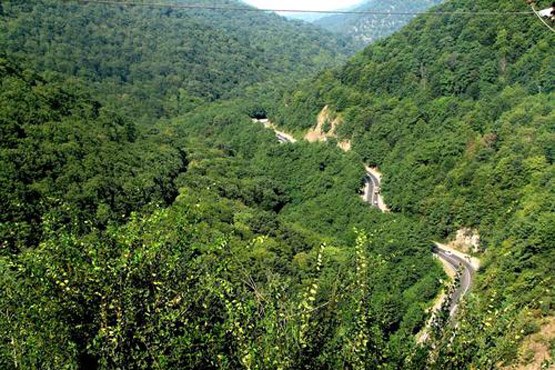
(66,157)
(458,112)
(98,271)
(147,222)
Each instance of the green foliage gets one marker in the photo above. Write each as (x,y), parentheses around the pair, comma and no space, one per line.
(199,242)
(65,155)
(185,287)
(232,268)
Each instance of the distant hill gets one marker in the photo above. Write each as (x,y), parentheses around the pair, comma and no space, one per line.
(366,28)
(314,17)
(307,17)
(181,57)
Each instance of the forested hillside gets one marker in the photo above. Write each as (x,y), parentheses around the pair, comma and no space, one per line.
(458,112)
(173,58)
(66,158)
(367,28)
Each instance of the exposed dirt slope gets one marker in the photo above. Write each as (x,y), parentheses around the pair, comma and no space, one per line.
(536,350)
(326,124)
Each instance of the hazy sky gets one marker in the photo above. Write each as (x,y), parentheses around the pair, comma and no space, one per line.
(302,4)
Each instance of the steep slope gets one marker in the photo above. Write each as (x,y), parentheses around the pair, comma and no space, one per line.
(367,28)
(458,112)
(176,58)
(201,243)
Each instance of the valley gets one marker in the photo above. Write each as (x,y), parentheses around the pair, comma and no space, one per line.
(212,186)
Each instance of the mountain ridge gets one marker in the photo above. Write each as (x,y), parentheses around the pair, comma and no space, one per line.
(367,28)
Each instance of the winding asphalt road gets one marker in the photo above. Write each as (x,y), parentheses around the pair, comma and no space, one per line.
(373,184)
(457,262)
(372,190)
(282,139)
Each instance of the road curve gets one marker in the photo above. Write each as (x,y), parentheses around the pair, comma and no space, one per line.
(372,188)
(457,261)
(372,193)
(282,137)
(467,272)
